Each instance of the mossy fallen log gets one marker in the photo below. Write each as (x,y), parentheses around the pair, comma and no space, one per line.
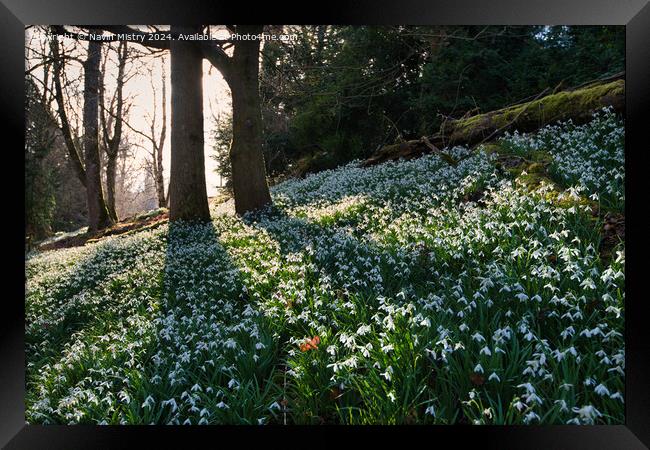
(577,105)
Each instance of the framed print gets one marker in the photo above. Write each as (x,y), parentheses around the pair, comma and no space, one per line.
(409,220)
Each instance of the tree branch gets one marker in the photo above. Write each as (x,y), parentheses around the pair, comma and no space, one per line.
(65,125)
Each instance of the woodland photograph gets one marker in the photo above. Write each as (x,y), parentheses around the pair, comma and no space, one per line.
(324,224)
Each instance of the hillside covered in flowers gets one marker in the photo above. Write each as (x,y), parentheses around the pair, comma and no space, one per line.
(490,291)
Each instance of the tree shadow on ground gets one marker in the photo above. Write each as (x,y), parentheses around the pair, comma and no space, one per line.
(83,299)
(210,330)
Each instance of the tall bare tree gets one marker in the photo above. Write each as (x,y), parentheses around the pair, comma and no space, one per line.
(113,115)
(157,141)
(58,65)
(88,171)
(98,216)
(247,160)
(187,189)
(156,136)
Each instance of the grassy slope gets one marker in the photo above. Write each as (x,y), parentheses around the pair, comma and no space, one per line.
(438,294)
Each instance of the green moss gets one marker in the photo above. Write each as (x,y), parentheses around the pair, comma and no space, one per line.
(536,167)
(534,180)
(567,201)
(540,156)
(492,148)
(563,105)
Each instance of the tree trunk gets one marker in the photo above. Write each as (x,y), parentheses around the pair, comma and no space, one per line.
(98,217)
(187,192)
(163,201)
(160,180)
(250,188)
(111,170)
(112,144)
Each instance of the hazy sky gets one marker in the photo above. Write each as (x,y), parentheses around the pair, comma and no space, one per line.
(139,88)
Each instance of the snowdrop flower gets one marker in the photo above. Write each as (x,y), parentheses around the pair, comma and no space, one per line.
(171,402)
(601,390)
(569,331)
(522,297)
(617,396)
(617,369)
(478,337)
(148,402)
(587,413)
(529,387)
(520,406)
(530,417)
(534,398)
(363,330)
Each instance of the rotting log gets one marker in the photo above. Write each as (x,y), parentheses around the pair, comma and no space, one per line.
(577,105)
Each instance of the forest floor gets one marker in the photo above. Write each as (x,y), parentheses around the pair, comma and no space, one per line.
(489,292)
(81,237)
(139,222)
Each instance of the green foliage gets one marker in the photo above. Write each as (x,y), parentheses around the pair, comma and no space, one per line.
(39,177)
(348,90)
(222,138)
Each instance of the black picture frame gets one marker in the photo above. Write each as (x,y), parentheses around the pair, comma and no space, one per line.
(634,14)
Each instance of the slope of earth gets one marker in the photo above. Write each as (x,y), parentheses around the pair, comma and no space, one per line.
(408,292)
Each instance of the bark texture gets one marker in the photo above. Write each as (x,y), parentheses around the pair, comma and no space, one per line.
(250,187)
(98,217)
(188,198)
